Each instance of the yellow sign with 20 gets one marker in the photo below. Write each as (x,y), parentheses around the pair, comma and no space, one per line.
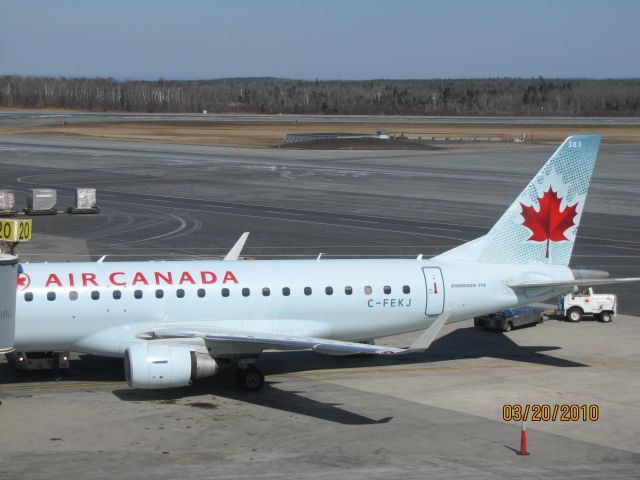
(15,230)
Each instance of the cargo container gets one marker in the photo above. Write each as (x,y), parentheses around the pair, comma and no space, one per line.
(41,201)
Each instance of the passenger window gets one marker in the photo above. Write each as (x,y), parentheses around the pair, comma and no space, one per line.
(387,289)
(348,290)
(225,292)
(201,293)
(95,295)
(406,289)
(286,291)
(266,292)
(51,296)
(328,290)
(117,294)
(137,294)
(28,297)
(73,295)
(307,290)
(159,293)
(368,290)
(180,293)
(246,292)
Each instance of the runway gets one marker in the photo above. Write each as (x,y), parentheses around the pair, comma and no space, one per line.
(44,117)
(435,414)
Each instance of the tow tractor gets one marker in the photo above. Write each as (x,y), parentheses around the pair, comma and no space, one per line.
(57,362)
(582,301)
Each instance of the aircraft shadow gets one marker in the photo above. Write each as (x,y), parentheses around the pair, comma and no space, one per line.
(270,396)
(460,344)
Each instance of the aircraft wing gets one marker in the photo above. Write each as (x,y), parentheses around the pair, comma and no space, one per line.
(580,282)
(229,343)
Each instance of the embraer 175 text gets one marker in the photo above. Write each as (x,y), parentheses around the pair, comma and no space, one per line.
(174,322)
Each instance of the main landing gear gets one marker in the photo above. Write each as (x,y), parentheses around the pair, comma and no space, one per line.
(249,378)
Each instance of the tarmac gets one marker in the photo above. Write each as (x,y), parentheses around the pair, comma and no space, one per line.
(438,413)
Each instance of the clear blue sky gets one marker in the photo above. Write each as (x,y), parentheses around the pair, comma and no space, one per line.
(325,39)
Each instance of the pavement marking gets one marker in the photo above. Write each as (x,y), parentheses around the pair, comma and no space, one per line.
(262,217)
(283,213)
(354,220)
(445,229)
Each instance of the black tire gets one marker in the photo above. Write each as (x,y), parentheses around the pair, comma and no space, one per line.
(605,317)
(574,315)
(250,378)
(476,323)
(508,326)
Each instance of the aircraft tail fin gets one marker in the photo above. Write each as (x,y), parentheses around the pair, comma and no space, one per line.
(541,225)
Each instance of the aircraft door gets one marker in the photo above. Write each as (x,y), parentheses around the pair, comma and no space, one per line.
(435,290)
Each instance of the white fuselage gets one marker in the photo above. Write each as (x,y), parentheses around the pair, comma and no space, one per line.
(387,297)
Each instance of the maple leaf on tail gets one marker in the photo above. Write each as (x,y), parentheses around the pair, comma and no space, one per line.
(548,224)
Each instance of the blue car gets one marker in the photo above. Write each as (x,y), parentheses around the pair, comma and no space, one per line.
(509,319)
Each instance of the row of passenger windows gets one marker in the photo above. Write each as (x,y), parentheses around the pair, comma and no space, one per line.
(225,292)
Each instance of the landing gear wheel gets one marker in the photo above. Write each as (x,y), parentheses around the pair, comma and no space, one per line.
(574,315)
(606,317)
(508,327)
(250,378)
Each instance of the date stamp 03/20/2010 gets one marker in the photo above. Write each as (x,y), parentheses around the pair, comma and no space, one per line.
(544,412)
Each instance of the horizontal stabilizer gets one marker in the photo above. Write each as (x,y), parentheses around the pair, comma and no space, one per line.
(579,282)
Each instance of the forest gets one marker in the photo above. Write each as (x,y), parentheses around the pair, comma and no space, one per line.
(490,96)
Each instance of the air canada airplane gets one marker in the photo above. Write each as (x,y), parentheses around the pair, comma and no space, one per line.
(174,322)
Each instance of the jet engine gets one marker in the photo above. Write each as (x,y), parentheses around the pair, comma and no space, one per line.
(157,365)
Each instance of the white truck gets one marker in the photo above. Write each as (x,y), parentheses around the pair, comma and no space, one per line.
(583,301)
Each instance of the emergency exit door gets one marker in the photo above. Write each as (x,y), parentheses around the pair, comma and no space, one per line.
(435,290)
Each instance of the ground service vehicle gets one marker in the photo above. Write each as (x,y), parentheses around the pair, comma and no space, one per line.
(582,301)
(510,318)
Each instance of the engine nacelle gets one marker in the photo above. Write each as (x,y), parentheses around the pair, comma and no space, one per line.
(157,365)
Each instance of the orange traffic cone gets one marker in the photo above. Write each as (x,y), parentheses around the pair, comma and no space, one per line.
(523,439)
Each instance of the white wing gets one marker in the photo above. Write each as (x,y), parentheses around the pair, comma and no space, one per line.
(229,343)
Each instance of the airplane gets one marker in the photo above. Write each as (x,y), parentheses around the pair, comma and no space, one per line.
(178,321)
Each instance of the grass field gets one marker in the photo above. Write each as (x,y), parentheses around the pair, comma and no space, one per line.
(264,134)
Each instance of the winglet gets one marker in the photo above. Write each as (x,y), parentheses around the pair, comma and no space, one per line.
(234,253)
(425,340)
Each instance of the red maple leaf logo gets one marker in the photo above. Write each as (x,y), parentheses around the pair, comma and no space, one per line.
(549,223)
(23,281)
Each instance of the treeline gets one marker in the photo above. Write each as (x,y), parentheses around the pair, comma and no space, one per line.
(495,96)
